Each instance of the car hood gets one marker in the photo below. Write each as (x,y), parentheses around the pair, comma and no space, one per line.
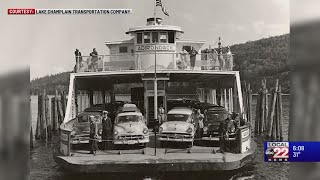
(176,126)
(212,125)
(130,127)
(83,128)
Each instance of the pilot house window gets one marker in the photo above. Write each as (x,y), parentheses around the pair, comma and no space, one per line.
(155,37)
(139,38)
(171,37)
(123,49)
(146,37)
(163,37)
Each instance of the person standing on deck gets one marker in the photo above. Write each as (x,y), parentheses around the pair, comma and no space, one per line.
(193,53)
(106,130)
(161,115)
(183,58)
(94,60)
(200,118)
(93,136)
(78,56)
(223,135)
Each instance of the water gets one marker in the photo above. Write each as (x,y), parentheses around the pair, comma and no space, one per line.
(44,167)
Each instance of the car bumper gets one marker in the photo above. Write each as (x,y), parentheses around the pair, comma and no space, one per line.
(130,142)
(81,140)
(175,140)
(207,137)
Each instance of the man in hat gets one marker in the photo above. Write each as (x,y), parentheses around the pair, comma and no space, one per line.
(93,135)
(106,129)
(94,60)
(161,114)
(193,53)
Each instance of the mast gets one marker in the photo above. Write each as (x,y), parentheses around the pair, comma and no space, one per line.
(154,11)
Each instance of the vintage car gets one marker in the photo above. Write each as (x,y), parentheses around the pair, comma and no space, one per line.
(130,127)
(213,117)
(181,102)
(179,127)
(81,130)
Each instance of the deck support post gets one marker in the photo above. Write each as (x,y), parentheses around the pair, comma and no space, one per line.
(90,98)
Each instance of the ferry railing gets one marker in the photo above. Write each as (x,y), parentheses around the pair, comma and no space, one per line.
(138,61)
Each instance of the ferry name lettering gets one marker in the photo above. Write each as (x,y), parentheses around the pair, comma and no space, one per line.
(158,48)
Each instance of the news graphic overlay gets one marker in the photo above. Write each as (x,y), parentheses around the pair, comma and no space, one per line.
(276,151)
(33,11)
(292,151)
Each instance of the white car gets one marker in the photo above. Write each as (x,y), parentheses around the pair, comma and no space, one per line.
(130,128)
(179,126)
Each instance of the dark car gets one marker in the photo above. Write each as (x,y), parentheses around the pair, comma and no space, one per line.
(81,131)
(183,102)
(214,116)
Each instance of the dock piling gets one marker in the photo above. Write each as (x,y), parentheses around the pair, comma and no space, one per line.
(258,114)
(47,117)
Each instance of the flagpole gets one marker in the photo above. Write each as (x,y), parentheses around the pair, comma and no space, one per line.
(154,11)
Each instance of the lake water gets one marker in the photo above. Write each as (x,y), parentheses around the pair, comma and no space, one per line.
(44,167)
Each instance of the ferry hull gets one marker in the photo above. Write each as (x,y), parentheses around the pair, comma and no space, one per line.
(173,160)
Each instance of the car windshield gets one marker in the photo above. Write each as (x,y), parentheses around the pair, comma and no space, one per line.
(129,118)
(178,117)
(86,118)
(216,116)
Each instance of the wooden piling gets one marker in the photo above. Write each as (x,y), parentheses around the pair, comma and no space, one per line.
(280,113)
(37,135)
(40,115)
(263,109)
(63,102)
(48,119)
(53,122)
(272,109)
(260,110)
(31,137)
(57,124)
(44,120)
(266,110)
(258,113)
(244,97)
(249,103)
(60,112)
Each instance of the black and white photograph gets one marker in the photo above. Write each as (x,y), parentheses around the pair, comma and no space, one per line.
(158,90)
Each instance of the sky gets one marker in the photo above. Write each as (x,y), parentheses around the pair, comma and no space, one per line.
(47,43)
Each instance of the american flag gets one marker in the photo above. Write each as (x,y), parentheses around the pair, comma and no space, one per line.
(159,3)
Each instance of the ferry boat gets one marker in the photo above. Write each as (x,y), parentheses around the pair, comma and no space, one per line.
(154,62)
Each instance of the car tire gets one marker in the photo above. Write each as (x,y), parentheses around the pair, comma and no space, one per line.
(163,144)
(190,144)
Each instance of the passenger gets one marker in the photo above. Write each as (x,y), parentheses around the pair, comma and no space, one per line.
(222,135)
(205,59)
(106,130)
(183,56)
(200,118)
(193,53)
(213,57)
(236,118)
(77,54)
(93,136)
(94,60)
(161,115)
(222,62)
(230,128)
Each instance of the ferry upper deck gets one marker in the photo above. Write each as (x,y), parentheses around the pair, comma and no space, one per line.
(156,45)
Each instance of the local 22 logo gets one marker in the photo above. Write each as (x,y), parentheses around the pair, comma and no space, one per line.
(277,151)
